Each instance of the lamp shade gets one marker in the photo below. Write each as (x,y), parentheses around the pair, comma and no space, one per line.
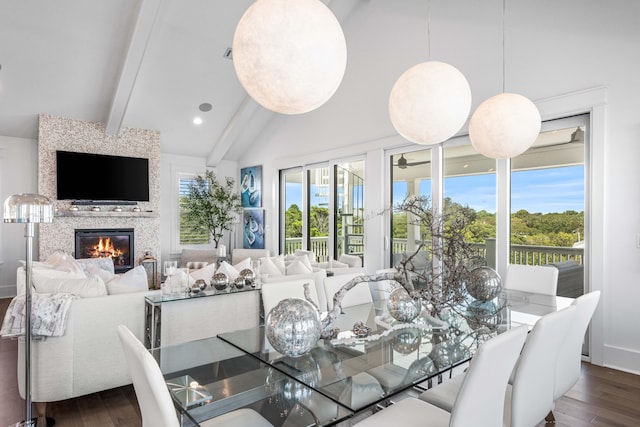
(28,208)
(430,102)
(290,56)
(504,126)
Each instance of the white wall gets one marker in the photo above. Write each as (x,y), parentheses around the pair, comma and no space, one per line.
(552,49)
(171,166)
(18,174)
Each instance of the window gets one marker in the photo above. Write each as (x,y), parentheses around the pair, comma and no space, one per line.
(318,211)
(470,181)
(291,221)
(322,209)
(548,200)
(349,208)
(188,235)
(540,221)
(410,176)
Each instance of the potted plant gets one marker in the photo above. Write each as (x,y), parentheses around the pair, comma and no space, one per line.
(212,206)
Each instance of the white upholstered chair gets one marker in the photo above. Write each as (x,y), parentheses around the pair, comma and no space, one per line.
(532,278)
(153,395)
(480,401)
(359,294)
(274,292)
(239,254)
(530,395)
(570,355)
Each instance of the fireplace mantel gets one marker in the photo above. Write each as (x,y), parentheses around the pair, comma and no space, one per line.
(112,214)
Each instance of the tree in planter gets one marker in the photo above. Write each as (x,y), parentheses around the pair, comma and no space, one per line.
(212,206)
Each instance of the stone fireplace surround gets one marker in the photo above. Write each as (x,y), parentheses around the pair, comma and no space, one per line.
(58,133)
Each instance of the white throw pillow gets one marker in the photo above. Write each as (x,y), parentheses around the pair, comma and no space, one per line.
(229,270)
(134,280)
(102,263)
(82,287)
(245,263)
(267,266)
(305,260)
(65,262)
(105,275)
(204,273)
(298,267)
(309,254)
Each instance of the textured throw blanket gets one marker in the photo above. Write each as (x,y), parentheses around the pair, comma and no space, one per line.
(48,315)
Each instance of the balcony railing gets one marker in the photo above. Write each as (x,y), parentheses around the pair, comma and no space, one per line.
(519,254)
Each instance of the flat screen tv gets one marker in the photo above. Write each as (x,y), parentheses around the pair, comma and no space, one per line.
(101,179)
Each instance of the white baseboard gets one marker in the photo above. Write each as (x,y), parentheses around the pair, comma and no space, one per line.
(622,359)
(8,291)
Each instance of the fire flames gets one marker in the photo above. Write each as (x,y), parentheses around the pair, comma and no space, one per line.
(104,249)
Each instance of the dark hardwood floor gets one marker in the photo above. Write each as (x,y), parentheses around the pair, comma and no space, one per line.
(602,397)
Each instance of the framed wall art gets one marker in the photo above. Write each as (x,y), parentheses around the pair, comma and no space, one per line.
(251,186)
(253,229)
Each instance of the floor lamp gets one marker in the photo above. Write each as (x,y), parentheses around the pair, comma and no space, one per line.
(28,209)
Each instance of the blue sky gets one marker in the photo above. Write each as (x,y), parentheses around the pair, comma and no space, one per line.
(543,190)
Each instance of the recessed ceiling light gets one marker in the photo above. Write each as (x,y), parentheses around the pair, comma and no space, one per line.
(205,106)
(197,121)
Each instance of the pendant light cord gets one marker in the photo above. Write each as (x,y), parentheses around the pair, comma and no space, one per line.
(428,30)
(504,72)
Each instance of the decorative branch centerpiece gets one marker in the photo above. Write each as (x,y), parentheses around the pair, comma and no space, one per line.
(442,272)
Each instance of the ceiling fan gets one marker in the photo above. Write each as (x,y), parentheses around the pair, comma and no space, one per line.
(403,163)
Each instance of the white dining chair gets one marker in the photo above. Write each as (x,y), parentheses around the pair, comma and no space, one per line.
(570,355)
(532,278)
(530,396)
(481,396)
(153,395)
(359,294)
(274,292)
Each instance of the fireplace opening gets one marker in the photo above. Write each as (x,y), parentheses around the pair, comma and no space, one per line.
(116,244)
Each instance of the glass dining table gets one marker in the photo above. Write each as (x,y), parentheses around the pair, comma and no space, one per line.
(337,378)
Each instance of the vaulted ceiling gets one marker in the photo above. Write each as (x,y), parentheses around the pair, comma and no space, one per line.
(142,64)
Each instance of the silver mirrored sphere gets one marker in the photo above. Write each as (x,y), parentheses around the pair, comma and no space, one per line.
(220,281)
(402,307)
(293,327)
(200,283)
(239,282)
(248,275)
(483,283)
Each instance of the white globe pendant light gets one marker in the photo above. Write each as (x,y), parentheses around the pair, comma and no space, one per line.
(430,102)
(504,126)
(290,56)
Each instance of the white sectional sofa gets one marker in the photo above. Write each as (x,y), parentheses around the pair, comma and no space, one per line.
(88,358)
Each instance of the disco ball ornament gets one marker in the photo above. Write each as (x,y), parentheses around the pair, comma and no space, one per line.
(483,283)
(402,307)
(293,327)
